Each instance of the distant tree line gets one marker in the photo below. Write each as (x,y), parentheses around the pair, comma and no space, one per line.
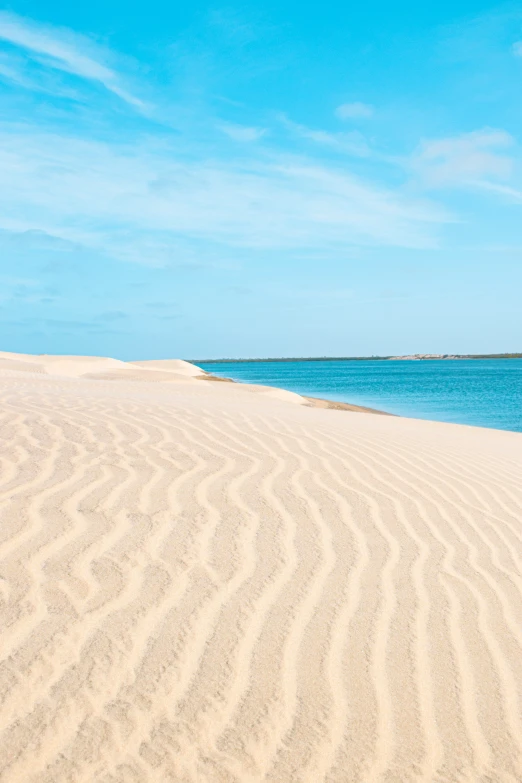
(350,358)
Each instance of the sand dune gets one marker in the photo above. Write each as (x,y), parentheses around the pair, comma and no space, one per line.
(199,583)
(72,366)
(177,366)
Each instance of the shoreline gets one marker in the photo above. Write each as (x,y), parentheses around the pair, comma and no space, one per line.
(485,395)
(313,402)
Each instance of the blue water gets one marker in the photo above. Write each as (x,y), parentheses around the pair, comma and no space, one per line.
(481,392)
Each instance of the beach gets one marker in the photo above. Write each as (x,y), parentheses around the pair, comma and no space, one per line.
(222,582)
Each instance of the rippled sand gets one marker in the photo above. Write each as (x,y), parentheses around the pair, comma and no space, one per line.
(210,582)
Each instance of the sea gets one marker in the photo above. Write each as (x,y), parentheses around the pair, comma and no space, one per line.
(478,392)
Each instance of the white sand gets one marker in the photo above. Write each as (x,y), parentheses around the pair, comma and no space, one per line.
(200,583)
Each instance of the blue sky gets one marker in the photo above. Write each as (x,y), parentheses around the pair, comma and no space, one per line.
(275,179)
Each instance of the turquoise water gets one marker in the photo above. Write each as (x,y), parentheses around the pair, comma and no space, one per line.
(481,392)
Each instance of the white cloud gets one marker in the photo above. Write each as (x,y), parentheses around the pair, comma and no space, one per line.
(242,132)
(11,74)
(64,51)
(154,203)
(467,160)
(354,111)
(123,200)
(513,194)
(18,71)
(517,49)
(352,143)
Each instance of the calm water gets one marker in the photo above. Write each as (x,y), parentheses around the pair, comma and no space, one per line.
(482,392)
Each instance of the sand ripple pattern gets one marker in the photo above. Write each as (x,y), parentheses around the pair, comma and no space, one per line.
(199,584)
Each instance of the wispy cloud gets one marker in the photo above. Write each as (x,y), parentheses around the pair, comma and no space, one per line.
(513,194)
(12,74)
(517,49)
(242,132)
(165,200)
(130,201)
(64,51)
(351,143)
(354,111)
(233,25)
(469,159)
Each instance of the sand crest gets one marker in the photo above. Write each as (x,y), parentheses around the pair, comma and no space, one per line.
(177,366)
(201,583)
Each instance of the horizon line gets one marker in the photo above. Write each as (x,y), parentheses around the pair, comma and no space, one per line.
(404,357)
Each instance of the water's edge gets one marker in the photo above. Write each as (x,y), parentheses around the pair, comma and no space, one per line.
(481,393)
(313,402)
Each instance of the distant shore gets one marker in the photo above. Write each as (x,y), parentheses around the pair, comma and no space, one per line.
(409,357)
